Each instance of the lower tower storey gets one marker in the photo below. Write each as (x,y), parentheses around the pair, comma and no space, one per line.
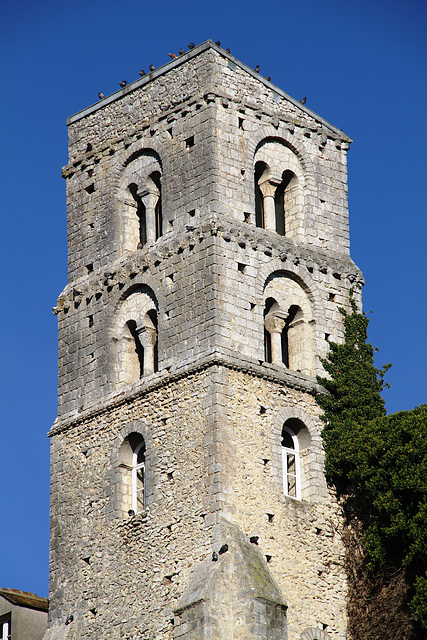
(195,506)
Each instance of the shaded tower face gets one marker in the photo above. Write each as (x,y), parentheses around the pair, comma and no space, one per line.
(208,252)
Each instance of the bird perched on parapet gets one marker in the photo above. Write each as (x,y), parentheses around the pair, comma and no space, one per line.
(191,45)
(218,43)
(142,73)
(257,69)
(139,245)
(181,52)
(152,67)
(123,83)
(214,556)
(227,51)
(268,78)
(304,100)
(101,95)
(173,56)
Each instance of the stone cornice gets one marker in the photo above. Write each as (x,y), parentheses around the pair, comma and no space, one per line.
(273,245)
(220,357)
(208,44)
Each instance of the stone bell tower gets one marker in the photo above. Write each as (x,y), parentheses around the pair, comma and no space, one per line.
(208,251)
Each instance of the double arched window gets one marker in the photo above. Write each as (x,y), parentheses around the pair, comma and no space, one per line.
(141,196)
(148,205)
(288,334)
(278,179)
(135,333)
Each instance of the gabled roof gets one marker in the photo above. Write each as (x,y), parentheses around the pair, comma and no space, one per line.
(208,44)
(25,599)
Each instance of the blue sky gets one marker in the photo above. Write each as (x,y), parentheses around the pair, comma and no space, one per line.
(362,65)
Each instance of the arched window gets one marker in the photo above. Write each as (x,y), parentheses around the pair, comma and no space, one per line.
(288,334)
(132,475)
(136,337)
(148,209)
(291,463)
(141,195)
(279,194)
(260,170)
(141,346)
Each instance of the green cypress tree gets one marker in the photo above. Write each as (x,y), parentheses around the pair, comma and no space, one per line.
(378,465)
(353,400)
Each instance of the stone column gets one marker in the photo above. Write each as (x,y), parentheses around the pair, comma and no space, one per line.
(148,338)
(275,325)
(149,198)
(268,189)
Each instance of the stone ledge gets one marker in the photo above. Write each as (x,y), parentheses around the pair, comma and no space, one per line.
(219,357)
(208,44)
(213,225)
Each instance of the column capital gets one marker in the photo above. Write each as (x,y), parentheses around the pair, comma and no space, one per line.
(275,323)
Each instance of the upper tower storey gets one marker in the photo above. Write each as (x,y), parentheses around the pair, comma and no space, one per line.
(204,134)
(207,214)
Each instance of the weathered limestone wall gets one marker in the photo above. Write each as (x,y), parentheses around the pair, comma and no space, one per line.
(189,115)
(213,443)
(209,283)
(300,538)
(120,578)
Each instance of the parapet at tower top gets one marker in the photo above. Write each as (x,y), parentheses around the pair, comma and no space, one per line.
(184,57)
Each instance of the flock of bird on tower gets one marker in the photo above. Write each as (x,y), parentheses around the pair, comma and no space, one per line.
(174,56)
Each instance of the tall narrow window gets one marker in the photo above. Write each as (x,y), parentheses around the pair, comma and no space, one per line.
(141,216)
(260,168)
(132,475)
(158,208)
(274,330)
(138,478)
(138,359)
(291,464)
(283,202)
(286,348)
(5,628)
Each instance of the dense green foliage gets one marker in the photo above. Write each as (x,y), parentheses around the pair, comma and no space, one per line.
(377,462)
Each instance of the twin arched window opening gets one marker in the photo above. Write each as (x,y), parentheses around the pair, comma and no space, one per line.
(148,200)
(281,334)
(136,336)
(144,336)
(274,199)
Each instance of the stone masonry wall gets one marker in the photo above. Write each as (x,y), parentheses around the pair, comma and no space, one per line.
(213,449)
(209,283)
(204,119)
(120,578)
(299,539)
